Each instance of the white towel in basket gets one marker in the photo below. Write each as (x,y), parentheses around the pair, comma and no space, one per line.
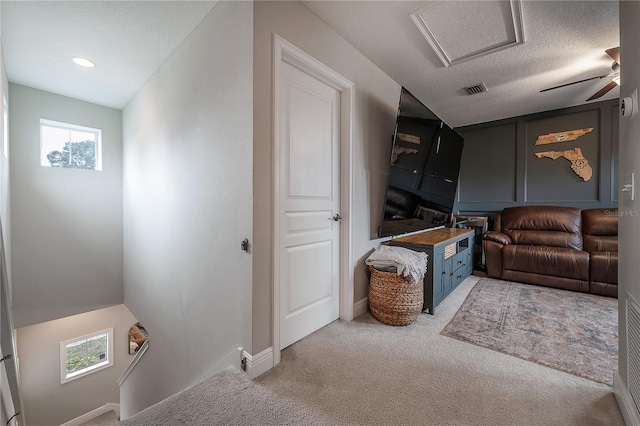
(412,265)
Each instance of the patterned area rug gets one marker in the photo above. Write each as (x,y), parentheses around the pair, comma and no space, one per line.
(573,332)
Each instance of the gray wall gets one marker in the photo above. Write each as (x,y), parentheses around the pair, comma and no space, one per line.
(376,98)
(499,168)
(5,195)
(629,224)
(3,397)
(188,205)
(46,401)
(6,403)
(66,223)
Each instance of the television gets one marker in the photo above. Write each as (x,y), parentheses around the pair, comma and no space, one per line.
(423,170)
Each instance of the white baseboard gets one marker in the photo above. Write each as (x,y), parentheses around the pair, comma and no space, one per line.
(625,402)
(360,307)
(231,359)
(259,363)
(262,362)
(93,414)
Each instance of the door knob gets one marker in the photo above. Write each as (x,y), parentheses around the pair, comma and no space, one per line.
(336,217)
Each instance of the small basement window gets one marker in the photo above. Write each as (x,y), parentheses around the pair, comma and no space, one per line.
(85,355)
(70,146)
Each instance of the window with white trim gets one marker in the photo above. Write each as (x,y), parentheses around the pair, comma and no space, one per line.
(70,146)
(85,355)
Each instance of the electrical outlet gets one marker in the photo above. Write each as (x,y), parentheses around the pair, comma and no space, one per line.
(243,359)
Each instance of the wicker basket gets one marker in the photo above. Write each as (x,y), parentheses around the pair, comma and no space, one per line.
(394,300)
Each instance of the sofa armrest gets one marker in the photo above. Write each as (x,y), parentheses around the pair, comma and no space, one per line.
(493,257)
(498,237)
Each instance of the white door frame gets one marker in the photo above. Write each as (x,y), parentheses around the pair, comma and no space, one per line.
(283,51)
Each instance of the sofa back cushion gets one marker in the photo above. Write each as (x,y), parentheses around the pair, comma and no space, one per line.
(543,225)
(600,230)
(400,204)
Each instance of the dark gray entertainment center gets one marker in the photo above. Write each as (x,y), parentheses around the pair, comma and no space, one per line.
(450,260)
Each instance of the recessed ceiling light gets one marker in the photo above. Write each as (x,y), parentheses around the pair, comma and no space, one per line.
(84,62)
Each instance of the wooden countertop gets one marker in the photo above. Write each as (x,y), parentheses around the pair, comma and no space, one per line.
(433,237)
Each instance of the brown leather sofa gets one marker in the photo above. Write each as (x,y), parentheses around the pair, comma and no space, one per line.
(560,247)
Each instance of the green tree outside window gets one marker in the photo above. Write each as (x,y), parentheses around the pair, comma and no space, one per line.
(75,155)
(86,354)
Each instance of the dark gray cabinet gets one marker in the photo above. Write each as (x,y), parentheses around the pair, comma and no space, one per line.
(450,260)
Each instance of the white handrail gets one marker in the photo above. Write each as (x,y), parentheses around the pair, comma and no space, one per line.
(134,362)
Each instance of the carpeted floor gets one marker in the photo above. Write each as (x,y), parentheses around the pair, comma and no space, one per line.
(107,419)
(366,373)
(227,398)
(570,331)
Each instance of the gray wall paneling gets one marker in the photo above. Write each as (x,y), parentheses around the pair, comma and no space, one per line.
(499,168)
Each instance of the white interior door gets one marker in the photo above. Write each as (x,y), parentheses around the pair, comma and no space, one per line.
(309,199)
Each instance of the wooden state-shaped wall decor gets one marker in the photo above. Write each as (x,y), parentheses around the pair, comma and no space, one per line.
(579,164)
(567,136)
(409,138)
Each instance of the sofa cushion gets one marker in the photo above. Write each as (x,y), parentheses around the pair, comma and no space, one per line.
(594,243)
(603,267)
(545,260)
(600,221)
(400,204)
(543,225)
(604,289)
(498,237)
(547,280)
(600,230)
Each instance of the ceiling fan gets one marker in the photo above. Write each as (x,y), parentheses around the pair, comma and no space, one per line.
(614,52)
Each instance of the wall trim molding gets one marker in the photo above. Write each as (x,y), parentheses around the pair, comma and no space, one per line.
(93,414)
(522,179)
(360,307)
(262,362)
(259,363)
(625,401)
(286,52)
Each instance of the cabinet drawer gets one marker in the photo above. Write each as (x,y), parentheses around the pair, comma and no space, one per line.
(459,260)
(458,275)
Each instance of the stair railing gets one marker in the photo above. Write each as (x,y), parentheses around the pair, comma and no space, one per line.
(134,362)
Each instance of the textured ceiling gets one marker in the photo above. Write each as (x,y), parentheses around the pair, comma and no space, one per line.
(128,40)
(458,30)
(564,42)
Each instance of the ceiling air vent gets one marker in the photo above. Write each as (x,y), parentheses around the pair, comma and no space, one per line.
(474,90)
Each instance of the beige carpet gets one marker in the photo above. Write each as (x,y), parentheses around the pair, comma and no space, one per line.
(567,330)
(364,372)
(107,419)
(226,398)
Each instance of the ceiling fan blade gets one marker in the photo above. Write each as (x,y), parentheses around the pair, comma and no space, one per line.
(574,82)
(602,91)
(614,52)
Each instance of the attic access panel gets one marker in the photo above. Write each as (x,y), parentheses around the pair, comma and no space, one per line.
(459,31)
